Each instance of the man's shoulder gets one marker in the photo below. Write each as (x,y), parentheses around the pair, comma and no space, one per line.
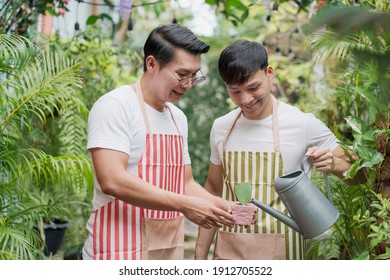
(291,115)
(228,118)
(290,111)
(286,107)
(122,92)
(119,101)
(122,96)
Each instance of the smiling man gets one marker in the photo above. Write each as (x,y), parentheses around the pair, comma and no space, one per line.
(260,140)
(138,141)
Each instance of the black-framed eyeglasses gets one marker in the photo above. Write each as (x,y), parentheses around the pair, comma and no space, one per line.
(186,80)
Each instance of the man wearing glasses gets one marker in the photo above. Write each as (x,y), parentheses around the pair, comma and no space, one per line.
(138,141)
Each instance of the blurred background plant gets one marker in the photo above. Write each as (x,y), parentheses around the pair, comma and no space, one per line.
(17,16)
(352,43)
(34,86)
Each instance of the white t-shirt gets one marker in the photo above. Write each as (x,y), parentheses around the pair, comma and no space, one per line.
(115,122)
(297,132)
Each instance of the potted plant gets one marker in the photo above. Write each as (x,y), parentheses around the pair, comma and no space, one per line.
(54,232)
(53,219)
(243,213)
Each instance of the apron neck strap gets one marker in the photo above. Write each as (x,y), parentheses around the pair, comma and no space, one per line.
(141,102)
(275,124)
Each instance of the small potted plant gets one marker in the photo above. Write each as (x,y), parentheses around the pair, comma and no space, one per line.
(243,213)
(53,218)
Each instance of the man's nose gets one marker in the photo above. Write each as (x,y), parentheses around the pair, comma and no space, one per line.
(187,85)
(246,98)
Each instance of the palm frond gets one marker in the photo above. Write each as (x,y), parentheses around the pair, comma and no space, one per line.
(350,201)
(17,163)
(346,20)
(9,193)
(323,249)
(16,53)
(34,168)
(18,243)
(342,31)
(73,130)
(18,238)
(69,172)
(42,88)
(328,45)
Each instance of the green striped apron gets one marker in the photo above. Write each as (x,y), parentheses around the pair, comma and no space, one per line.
(268,238)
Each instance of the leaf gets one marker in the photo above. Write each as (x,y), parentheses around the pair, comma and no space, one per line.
(375,159)
(92,19)
(352,170)
(363,256)
(369,136)
(369,97)
(356,124)
(106,16)
(243,193)
(244,15)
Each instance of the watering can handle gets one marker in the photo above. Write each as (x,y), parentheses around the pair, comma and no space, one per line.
(328,187)
(326,180)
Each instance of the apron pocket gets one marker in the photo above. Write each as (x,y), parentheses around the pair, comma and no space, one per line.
(163,239)
(249,246)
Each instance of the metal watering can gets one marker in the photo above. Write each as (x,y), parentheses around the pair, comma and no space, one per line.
(312,214)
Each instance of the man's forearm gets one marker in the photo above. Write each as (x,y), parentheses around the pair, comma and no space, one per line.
(203,243)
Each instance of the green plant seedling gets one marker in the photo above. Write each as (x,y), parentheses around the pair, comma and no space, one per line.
(243,192)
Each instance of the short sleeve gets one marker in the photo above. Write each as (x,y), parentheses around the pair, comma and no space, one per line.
(318,134)
(108,126)
(215,157)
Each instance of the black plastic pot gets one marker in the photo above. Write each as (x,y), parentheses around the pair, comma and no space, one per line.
(54,234)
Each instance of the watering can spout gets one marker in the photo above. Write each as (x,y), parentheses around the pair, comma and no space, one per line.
(278,215)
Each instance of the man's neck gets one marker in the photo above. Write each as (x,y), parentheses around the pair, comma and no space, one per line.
(150,96)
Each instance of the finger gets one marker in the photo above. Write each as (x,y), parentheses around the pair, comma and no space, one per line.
(221,221)
(323,166)
(323,162)
(216,224)
(206,226)
(223,214)
(310,151)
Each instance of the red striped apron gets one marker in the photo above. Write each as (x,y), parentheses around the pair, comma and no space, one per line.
(124,231)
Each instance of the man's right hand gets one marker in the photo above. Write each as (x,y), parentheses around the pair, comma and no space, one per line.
(205,214)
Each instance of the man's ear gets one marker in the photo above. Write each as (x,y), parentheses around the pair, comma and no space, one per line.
(270,71)
(151,63)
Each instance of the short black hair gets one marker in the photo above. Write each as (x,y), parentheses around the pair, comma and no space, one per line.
(165,39)
(241,60)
